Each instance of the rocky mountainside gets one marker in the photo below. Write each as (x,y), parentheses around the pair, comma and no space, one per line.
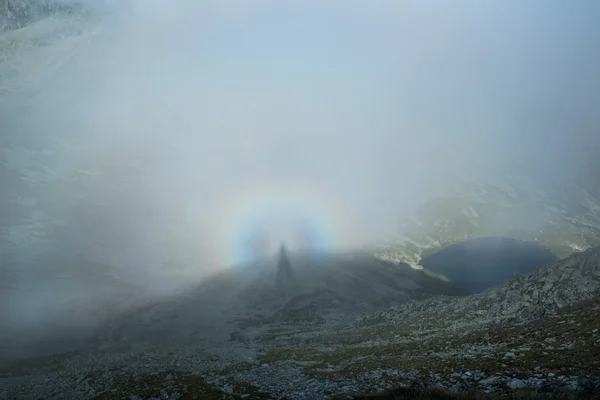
(563,218)
(15,14)
(536,333)
(336,325)
(311,290)
(522,298)
(294,288)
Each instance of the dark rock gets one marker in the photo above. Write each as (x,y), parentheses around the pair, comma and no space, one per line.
(516,384)
(549,390)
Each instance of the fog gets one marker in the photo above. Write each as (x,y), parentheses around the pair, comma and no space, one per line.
(145,133)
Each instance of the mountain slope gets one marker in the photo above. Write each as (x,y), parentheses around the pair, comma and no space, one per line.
(523,297)
(325,289)
(563,218)
(537,333)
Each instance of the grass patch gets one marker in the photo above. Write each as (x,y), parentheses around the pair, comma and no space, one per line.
(287,354)
(564,344)
(187,386)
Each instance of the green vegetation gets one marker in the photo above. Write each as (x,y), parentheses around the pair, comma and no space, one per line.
(187,386)
(564,344)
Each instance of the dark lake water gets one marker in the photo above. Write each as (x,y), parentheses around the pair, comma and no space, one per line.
(477,264)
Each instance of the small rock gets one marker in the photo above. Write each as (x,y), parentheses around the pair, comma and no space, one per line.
(490,381)
(516,384)
(228,389)
(551,374)
(509,354)
(572,385)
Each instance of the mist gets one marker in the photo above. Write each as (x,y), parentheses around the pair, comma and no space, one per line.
(132,135)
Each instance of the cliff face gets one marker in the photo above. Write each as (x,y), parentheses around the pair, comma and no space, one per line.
(16,14)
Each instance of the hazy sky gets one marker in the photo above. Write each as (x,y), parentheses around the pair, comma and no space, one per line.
(374,101)
(365,105)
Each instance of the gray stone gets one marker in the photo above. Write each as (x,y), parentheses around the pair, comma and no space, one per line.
(228,389)
(516,384)
(492,380)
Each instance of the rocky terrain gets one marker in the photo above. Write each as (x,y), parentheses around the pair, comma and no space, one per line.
(343,326)
(15,14)
(537,332)
(472,210)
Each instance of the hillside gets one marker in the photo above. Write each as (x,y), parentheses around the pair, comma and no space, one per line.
(563,219)
(153,154)
(536,332)
(326,289)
